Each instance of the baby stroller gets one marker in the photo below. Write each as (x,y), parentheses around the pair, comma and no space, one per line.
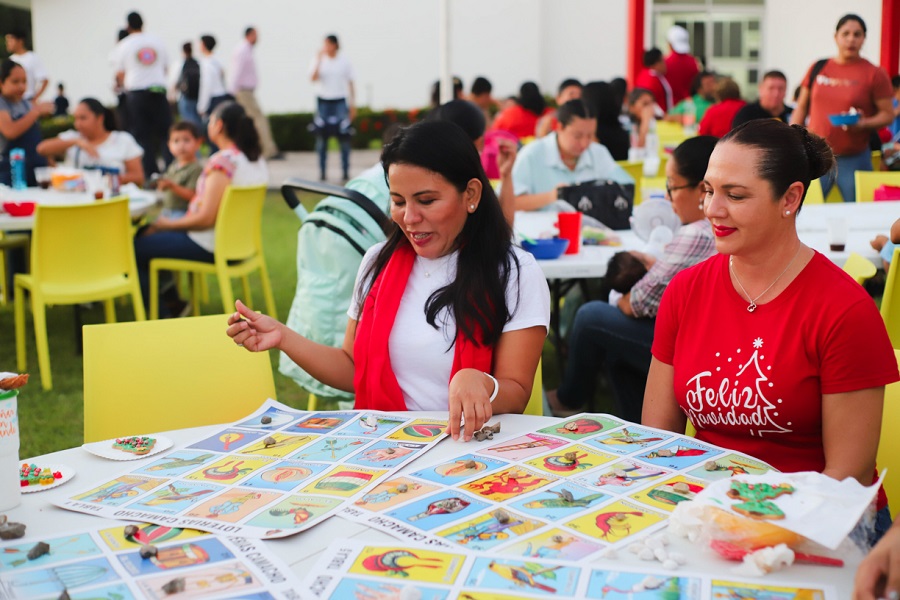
(330,247)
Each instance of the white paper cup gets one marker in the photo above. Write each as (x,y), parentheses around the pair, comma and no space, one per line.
(10,490)
(838,229)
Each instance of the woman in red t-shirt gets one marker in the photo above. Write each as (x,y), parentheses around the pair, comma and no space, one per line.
(718,117)
(521,118)
(768,347)
(846,81)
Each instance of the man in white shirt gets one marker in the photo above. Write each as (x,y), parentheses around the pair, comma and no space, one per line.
(35,74)
(333,78)
(140,61)
(244,80)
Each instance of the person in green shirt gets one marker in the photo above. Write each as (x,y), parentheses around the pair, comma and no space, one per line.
(701,95)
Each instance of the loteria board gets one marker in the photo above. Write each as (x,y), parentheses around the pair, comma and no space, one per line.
(104,564)
(569,490)
(354,569)
(231,482)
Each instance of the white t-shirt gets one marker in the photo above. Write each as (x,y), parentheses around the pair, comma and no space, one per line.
(142,56)
(35,72)
(212,82)
(421,356)
(335,75)
(114,151)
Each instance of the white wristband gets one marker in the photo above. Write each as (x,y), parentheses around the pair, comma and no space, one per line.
(496,387)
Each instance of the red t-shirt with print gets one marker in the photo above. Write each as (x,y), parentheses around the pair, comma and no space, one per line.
(753,382)
(838,88)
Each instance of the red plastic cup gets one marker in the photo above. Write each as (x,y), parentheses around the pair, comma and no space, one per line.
(569,224)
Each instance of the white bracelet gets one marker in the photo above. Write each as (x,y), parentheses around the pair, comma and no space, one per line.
(496,386)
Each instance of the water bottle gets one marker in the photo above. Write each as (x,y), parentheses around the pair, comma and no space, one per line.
(651,151)
(113,173)
(689,117)
(17,168)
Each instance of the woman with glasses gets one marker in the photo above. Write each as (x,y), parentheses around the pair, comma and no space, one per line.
(619,335)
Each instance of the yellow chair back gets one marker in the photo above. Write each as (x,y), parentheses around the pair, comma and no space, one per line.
(859,268)
(876,160)
(239,223)
(535,404)
(867,181)
(890,304)
(151,376)
(814,193)
(653,184)
(889,444)
(635,168)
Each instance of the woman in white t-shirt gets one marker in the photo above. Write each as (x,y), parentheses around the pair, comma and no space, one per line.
(447,313)
(95,143)
(192,236)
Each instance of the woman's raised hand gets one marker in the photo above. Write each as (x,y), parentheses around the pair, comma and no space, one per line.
(254,331)
(469,399)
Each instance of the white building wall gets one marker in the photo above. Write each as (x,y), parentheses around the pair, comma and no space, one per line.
(394,43)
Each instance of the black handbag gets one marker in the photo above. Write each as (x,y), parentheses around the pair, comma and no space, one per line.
(609,202)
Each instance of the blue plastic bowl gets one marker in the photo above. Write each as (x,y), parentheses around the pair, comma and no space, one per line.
(844,119)
(547,249)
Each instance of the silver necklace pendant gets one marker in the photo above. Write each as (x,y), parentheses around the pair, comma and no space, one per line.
(752,307)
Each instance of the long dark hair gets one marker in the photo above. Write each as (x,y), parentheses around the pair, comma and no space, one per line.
(530,98)
(6,68)
(604,102)
(477,295)
(692,157)
(239,128)
(96,107)
(788,153)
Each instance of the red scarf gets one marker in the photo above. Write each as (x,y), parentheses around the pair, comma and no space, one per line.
(374,380)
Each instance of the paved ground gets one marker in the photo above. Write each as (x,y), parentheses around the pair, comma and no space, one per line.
(305,165)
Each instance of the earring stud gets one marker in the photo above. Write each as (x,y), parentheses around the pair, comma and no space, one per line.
(787,212)
(471,207)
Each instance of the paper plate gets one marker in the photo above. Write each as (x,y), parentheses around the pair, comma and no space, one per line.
(66,472)
(105,448)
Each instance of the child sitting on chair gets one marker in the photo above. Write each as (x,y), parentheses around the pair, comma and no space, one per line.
(179,182)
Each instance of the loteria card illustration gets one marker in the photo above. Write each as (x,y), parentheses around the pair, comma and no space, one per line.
(570,460)
(221,578)
(276,418)
(324,422)
(115,591)
(518,575)
(230,469)
(729,465)
(173,498)
(628,440)
(148,533)
(177,463)
(622,585)
(330,449)
(523,447)
(64,549)
(438,509)
(488,530)
(178,556)
(371,425)
(420,430)
(294,512)
(666,494)
(558,501)
(386,454)
(284,475)
(408,565)
(228,440)
(761,591)
(283,444)
(554,544)
(362,589)
(622,476)
(508,483)
(583,426)
(680,455)
(617,521)
(119,490)
(343,481)
(51,581)
(232,506)
(395,491)
(463,468)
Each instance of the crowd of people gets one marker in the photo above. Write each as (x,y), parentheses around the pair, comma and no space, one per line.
(448,313)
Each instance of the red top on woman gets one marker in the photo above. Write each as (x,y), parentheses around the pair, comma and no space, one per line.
(519,121)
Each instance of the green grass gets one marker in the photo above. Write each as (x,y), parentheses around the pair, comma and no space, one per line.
(53,420)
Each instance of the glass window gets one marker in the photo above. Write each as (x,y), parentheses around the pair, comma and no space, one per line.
(735,39)
(718,38)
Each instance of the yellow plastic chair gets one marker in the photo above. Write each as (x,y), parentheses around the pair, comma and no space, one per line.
(859,268)
(635,168)
(535,404)
(867,181)
(239,252)
(814,194)
(889,444)
(8,242)
(890,305)
(151,376)
(652,184)
(81,253)
(876,160)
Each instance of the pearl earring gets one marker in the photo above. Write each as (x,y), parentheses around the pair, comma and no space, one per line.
(471,207)
(787,212)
